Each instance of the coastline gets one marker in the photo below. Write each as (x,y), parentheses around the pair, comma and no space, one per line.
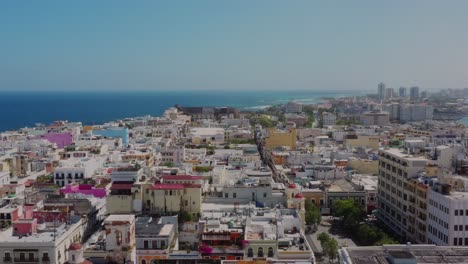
(95,107)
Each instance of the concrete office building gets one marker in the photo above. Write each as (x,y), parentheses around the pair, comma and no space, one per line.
(414,93)
(447,216)
(381,91)
(395,168)
(403,92)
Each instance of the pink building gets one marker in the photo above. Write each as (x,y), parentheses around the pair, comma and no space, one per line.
(85,189)
(23,227)
(61,139)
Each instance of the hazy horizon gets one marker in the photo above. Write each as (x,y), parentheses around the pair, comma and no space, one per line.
(241,45)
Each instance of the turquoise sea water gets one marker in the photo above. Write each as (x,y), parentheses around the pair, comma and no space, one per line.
(20,109)
(464,121)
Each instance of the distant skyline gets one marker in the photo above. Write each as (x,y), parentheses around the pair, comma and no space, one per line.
(242,45)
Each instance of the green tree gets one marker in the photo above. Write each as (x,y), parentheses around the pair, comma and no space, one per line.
(168,164)
(184,217)
(323,237)
(312,214)
(313,217)
(368,235)
(308,205)
(331,249)
(329,245)
(349,212)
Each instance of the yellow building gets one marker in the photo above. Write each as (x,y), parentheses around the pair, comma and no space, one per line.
(316,196)
(362,141)
(364,166)
(123,199)
(168,197)
(281,138)
(416,211)
(431,170)
(148,158)
(87,129)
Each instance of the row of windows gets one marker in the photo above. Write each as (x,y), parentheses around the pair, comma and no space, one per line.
(70,175)
(460,227)
(439,221)
(440,235)
(22,257)
(443,208)
(154,244)
(234,195)
(260,254)
(458,241)
(460,212)
(381,154)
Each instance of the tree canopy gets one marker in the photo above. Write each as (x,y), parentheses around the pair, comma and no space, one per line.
(329,245)
(350,213)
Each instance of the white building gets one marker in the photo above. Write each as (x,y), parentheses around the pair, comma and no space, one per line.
(415,112)
(74,170)
(42,245)
(4,177)
(206,135)
(126,174)
(329,119)
(293,107)
(447,216)
(375,118)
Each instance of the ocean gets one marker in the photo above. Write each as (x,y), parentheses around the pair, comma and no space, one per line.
(22,109)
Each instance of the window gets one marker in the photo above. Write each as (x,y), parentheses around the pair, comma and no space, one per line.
(73,257)
(460,227)
(271,253)
(226,195)
(260,252)
(455,240)
(466,241)
(461,212)
(234,195)
(31,256)
(250,253)
(264,195)
(143,261)
(22,258)
(456,212)
(145,244)
(7,256)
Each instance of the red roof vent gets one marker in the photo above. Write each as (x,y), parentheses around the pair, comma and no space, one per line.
(75,246)
(299,195)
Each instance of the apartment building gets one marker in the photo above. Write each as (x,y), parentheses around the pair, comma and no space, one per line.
(447,216)
(395,195)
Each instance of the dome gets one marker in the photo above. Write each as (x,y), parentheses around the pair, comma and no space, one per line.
(299,196)
(75,246)
(292,186)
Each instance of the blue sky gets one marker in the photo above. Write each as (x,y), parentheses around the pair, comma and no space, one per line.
(243,44)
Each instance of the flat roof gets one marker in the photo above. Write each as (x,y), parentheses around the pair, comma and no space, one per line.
(422,254)
(120,218)
(399,153)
